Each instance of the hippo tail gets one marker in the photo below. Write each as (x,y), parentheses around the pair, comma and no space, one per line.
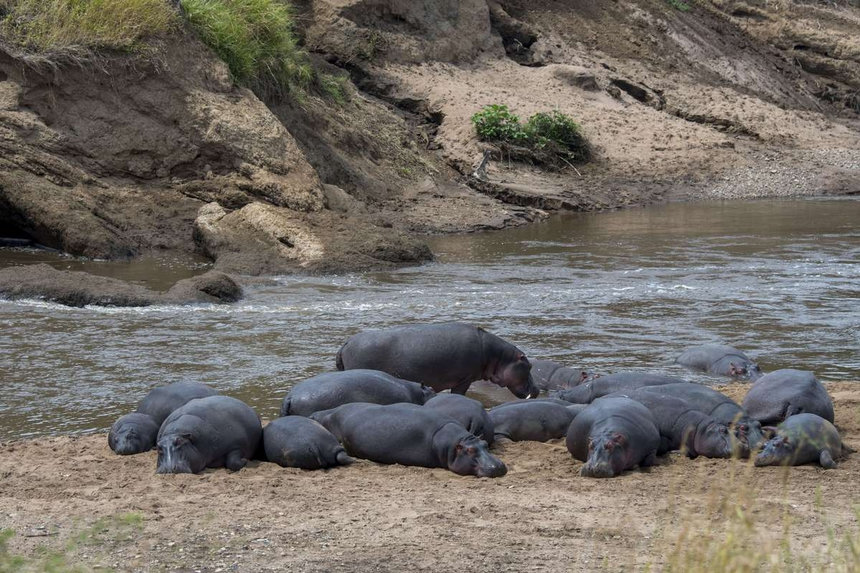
(339,358)
(343,458)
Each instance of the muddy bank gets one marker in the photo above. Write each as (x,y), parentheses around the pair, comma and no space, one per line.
(73,495)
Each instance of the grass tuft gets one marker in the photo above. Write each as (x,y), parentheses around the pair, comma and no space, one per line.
(56,25)
(255,38)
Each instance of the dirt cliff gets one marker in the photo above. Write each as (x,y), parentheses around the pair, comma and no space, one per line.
(117,155)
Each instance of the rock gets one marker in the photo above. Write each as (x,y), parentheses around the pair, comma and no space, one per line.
(336,199)
(213,286)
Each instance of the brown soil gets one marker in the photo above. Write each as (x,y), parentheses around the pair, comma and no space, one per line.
(74,495)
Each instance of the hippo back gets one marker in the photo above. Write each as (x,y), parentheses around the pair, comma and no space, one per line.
(532,420)
(550,375)
(162,401)
(622,381)
(470,413)
(719,359)
(783,393)
(333,389)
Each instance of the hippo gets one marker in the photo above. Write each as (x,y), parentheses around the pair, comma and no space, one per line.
(532,420)
(593,389)
(565,403)
(549,375)
(443,356)
(682,427)
(212,432)
(717,405)
(783,393)
(298,442)
(410,435)
(333,389)
(802,439)
(721,360)
(470,413)
(133,433)
(612,435)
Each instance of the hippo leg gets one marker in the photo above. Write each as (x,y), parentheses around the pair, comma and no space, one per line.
(461,389)
(826,460)
(234,461)
(343,458)
(650,460)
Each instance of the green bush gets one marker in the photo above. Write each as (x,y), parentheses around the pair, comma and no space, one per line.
(255,38)
(56,25)
(547,137)
(495,122)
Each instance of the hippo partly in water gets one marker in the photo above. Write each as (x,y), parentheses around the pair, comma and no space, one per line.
(136,433)
(802,439)
(604,385)
(299,442)
(783,393)
(613,435)
(332,389)
(721,360)
(410,435)
(443,356)
(550,375)
(213,432)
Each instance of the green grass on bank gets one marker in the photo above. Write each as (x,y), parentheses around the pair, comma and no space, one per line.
(46,26)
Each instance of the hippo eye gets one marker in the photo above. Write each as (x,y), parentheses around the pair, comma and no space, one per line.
(471,451)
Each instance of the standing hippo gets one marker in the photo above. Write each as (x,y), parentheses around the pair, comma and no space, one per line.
(682,427)
(549,375)
(532,420)
(333,389)
(208,433)
(298,442)
(470,413)
(133,433)
(613,435)
(717,405)
(410,435)
(721,360)
(597,387)
(444,356)
(802,439)
(783,393)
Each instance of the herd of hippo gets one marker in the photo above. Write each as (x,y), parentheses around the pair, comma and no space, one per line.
(382,405)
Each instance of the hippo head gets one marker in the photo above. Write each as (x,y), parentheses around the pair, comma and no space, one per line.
(177,454)
(471,457)
(749,371)
(608,456)
(516,376)
(133,434)
(748,436)
(713,441)
(777,451)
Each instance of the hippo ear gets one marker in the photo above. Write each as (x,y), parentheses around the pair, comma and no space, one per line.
(619,439)
(521,356)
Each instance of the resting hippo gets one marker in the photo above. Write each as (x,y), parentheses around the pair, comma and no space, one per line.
(802,439)
(549,375)
(721,360)
(208,433)
(532,420)
(717,405)
(470,413)
(410,435)
(612,435)
(597,387)
(444,356)
(681,426)
(297,442)
(783,393)
(333,389)
(133,433)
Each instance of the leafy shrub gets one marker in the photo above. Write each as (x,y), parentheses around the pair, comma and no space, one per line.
(495,122)
(255,38)
(547,137)
(55,25)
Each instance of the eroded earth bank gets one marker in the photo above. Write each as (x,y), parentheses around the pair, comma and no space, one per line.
(118,156)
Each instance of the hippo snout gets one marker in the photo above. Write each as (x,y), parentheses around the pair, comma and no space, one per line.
(492,469)
(597,470)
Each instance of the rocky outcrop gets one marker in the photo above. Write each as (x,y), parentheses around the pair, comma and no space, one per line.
(79,289)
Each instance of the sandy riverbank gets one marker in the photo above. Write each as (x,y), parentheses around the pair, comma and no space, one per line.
(74,496)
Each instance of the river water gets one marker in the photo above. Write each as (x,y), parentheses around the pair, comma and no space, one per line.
(626,290)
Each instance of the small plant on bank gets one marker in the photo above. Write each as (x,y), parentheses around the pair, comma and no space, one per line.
(255,39)
(549,138)
(682,5)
